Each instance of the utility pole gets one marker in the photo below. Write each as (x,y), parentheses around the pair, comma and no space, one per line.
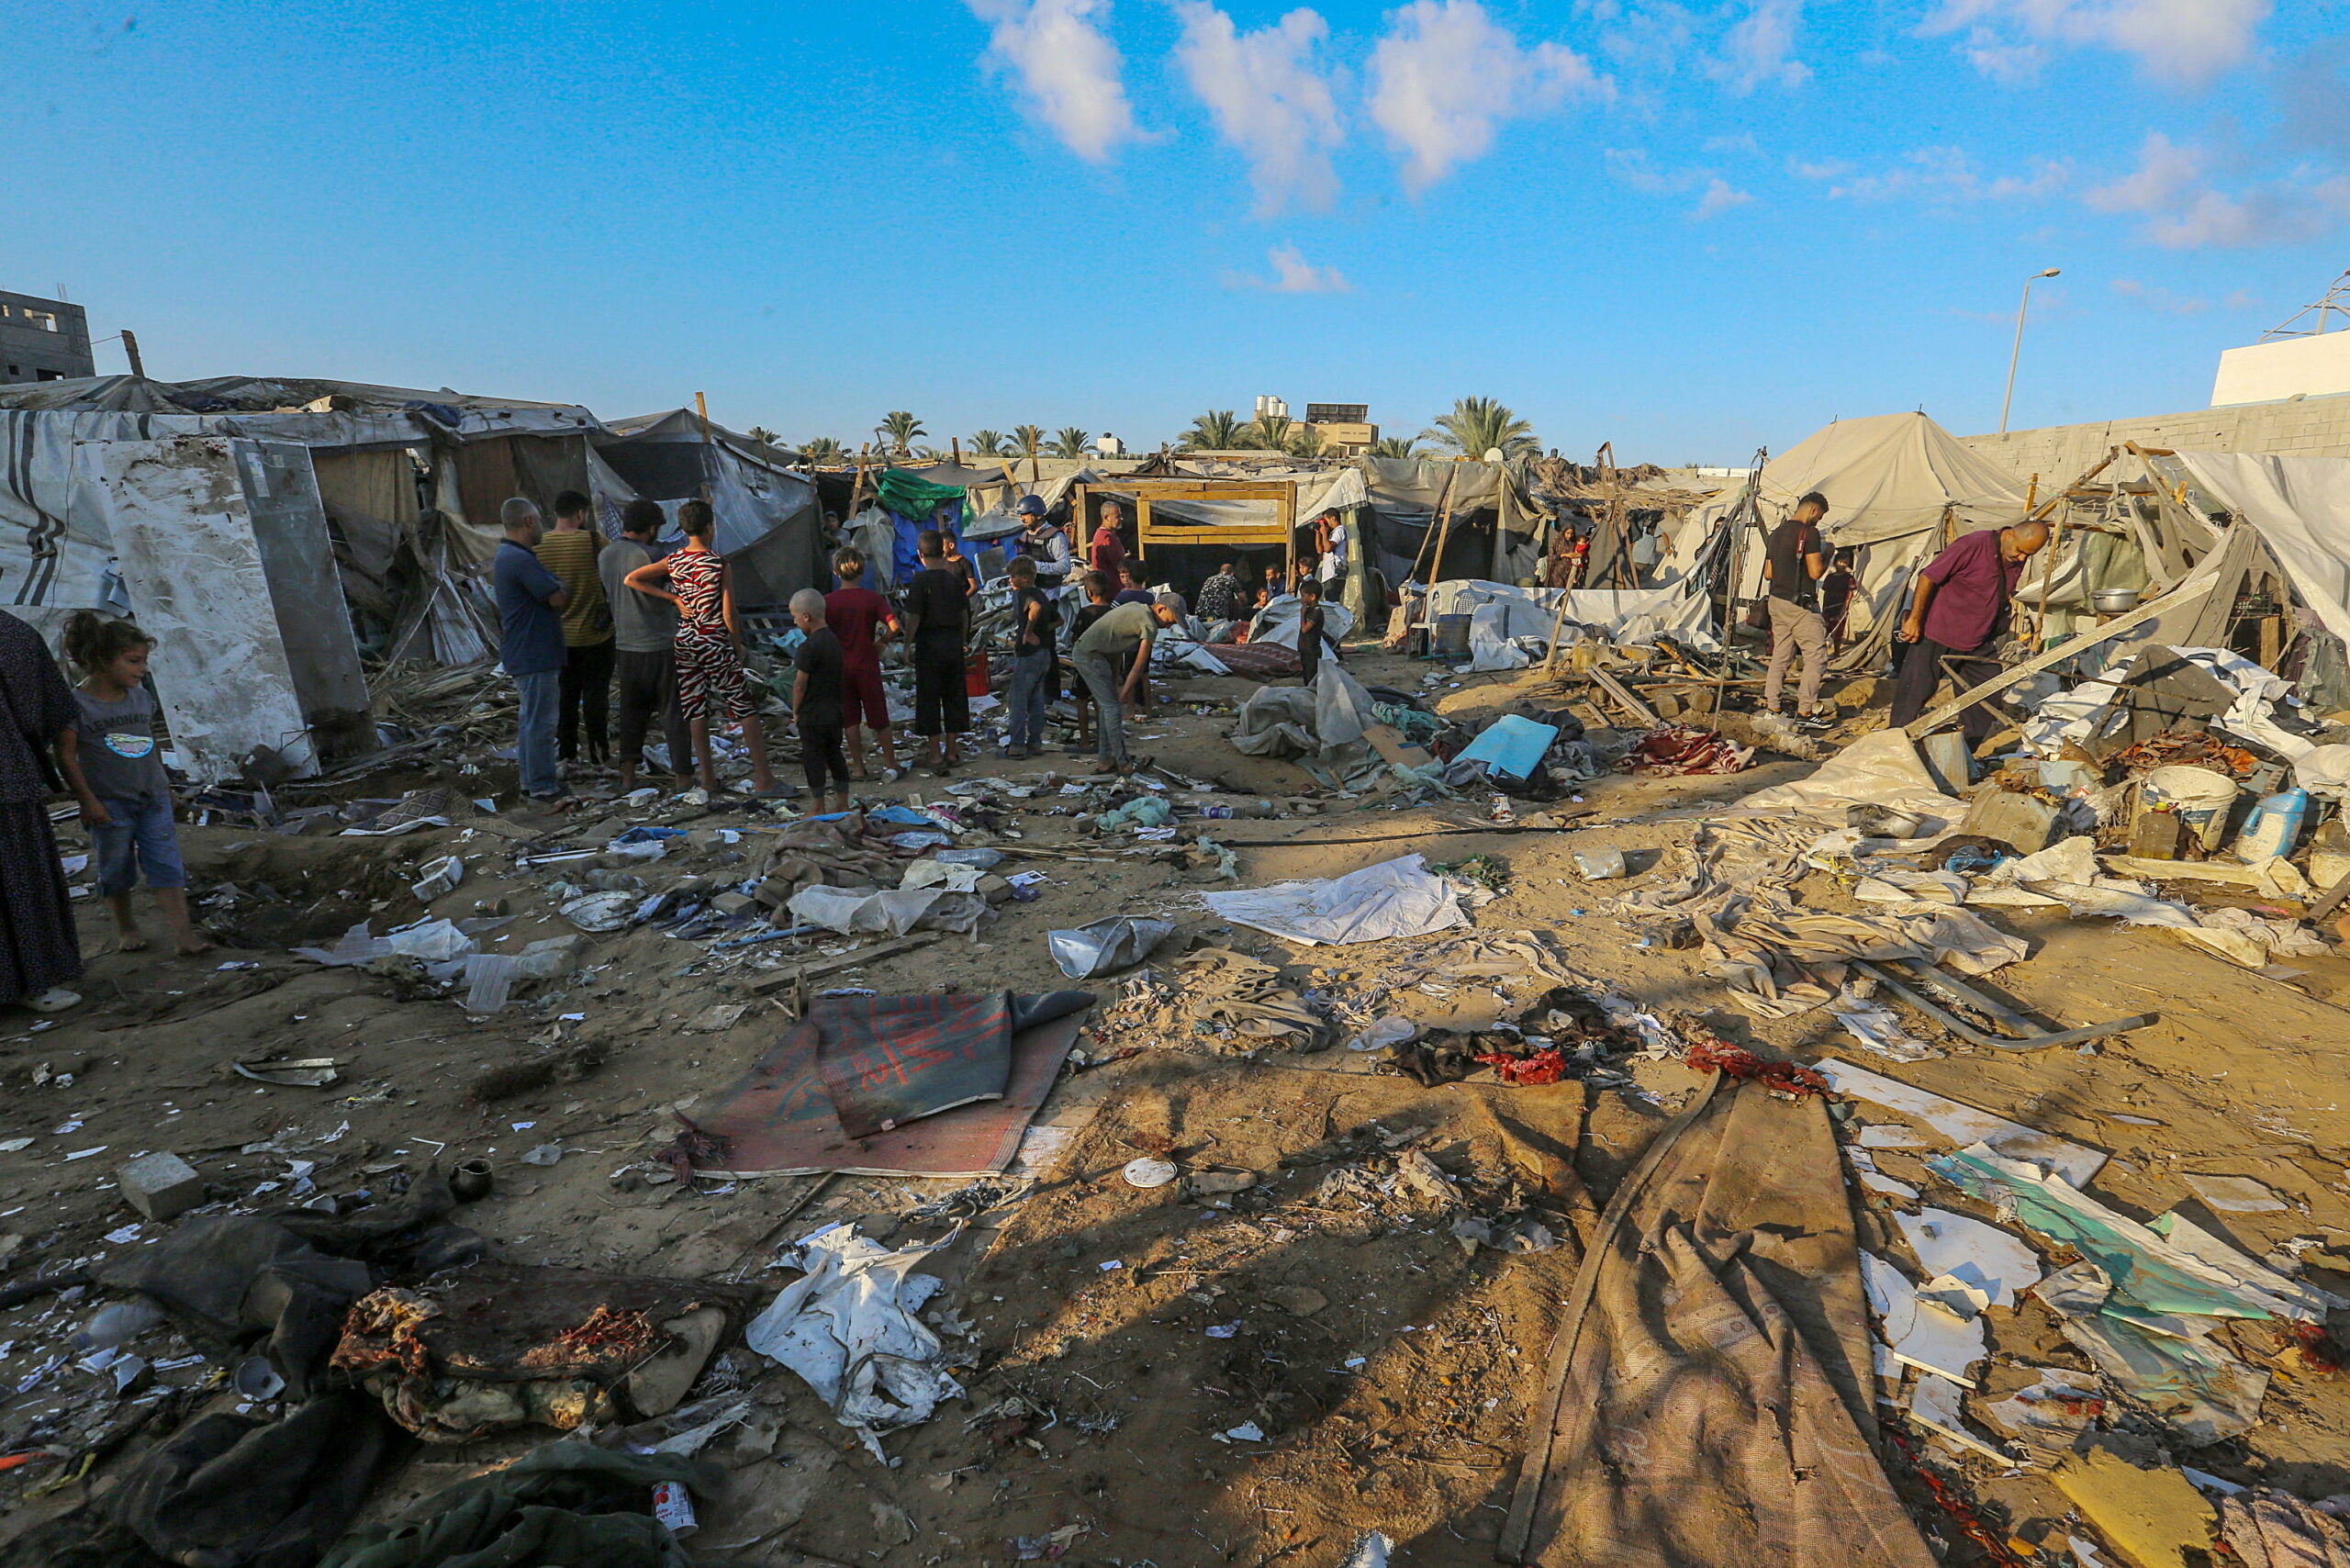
(2017,352)
(130,350)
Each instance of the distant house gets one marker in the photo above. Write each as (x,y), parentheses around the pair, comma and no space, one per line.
(43,340)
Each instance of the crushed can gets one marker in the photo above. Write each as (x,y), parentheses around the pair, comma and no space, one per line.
(673,1507)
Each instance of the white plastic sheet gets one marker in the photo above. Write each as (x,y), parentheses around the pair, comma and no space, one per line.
(896,910)
(1881,769)
(848,1327)
(1394,898)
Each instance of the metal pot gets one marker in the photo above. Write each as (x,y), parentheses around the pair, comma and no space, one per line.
(2115,601)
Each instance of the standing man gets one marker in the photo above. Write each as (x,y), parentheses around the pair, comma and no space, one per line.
(960,564)
(644,638)
(1112,657)
(586,690)
(862,621)
(530,614)
(1108,551)
(1793,563)
(1960,607)
(938,617)
(1043,544)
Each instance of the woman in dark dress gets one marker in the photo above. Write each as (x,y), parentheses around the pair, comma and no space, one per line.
(39,947)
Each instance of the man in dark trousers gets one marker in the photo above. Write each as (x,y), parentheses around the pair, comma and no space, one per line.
(1958,609)
(644,635)
(938,618)
(1309,629)
(1793,565)
(530,612)
(816,703)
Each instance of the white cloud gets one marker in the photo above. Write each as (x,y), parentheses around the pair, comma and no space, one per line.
(1068,70)
(2182,212)
(2183,41)
(1292,273)
(2154,297)
(1268,99)
(1445,72)
(2166,172)
(1759,50)
(1940,175)
(1719,197)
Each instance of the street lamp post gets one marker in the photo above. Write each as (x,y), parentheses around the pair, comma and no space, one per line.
(2017,352)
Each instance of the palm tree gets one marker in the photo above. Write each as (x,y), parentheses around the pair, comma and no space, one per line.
(1270,433)
(761,433)
(1396,446)
(898,430)
(1069,442)
(1479,425)
(1303,440)
(825,448)
(1218,429)
(990,443)
(1027,441)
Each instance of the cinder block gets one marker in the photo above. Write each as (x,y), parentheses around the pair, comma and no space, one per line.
(161,1185)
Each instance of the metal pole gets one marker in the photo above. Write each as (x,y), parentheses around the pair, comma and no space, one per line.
(2016,353)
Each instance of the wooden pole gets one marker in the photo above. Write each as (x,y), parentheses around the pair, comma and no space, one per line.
(130,352)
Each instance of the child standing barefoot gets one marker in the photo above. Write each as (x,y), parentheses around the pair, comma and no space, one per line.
(113,763)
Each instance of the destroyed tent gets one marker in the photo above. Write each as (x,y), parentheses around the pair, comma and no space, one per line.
(223,514)
(770,526)
(1900,487)
(1429,520)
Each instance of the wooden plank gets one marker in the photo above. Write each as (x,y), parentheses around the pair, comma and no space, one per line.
(2186,592)
(783,979)
(1624,698)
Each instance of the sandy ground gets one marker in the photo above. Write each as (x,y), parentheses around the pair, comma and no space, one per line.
(1387,1368)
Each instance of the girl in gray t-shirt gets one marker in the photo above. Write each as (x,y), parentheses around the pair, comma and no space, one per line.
(115,765)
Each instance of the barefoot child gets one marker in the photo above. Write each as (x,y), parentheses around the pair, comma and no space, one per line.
(119,772)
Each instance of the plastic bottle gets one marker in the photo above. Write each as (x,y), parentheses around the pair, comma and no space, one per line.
(1220,809)
(2274,825)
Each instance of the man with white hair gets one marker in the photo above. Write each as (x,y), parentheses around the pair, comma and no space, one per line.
(816,703)
(529,613)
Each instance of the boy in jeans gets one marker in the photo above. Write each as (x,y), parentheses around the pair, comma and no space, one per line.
(1034,621)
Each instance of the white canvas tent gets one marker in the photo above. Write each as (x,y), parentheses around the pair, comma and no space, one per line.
(1898,487)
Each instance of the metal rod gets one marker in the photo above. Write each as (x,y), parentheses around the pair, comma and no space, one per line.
(1973,1035)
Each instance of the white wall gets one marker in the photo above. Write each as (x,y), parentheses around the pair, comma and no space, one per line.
(2268,373)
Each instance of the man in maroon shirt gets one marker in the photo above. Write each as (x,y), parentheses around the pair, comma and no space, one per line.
(862,620)
(1958,609)
(1108,551)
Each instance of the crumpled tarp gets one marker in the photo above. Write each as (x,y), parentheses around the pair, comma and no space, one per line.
(1394,898)
(848,1327)
(568,1505)
(894,910)
(1297,721)
(234,1490)
(1106,944)
(2269,1529)
(1716,1348)
(1881,769)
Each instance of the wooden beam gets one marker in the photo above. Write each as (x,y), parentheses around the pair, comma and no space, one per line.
(2186,593)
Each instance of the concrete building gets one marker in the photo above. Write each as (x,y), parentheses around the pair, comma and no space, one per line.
(43,340)
(1345,428)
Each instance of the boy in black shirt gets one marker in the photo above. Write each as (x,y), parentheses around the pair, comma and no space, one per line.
(1309,629)
(816,703)
(1035,620)
(938,618)
(1096,606)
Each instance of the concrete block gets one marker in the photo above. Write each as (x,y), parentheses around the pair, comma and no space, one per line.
(734,903)
(161,1185)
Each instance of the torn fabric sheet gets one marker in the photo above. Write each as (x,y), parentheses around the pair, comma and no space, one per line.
(1881,769)
(1726,1280)
(1394,898)
(848,1327)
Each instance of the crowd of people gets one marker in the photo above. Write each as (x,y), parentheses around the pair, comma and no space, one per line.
(581,614)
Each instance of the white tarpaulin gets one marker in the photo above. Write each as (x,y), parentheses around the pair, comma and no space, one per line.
(1510,627)
(1882,769)
(2301,507)
(1394,898)
(848,1327)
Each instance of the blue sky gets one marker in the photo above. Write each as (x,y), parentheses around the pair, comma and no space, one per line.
(1688,228)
